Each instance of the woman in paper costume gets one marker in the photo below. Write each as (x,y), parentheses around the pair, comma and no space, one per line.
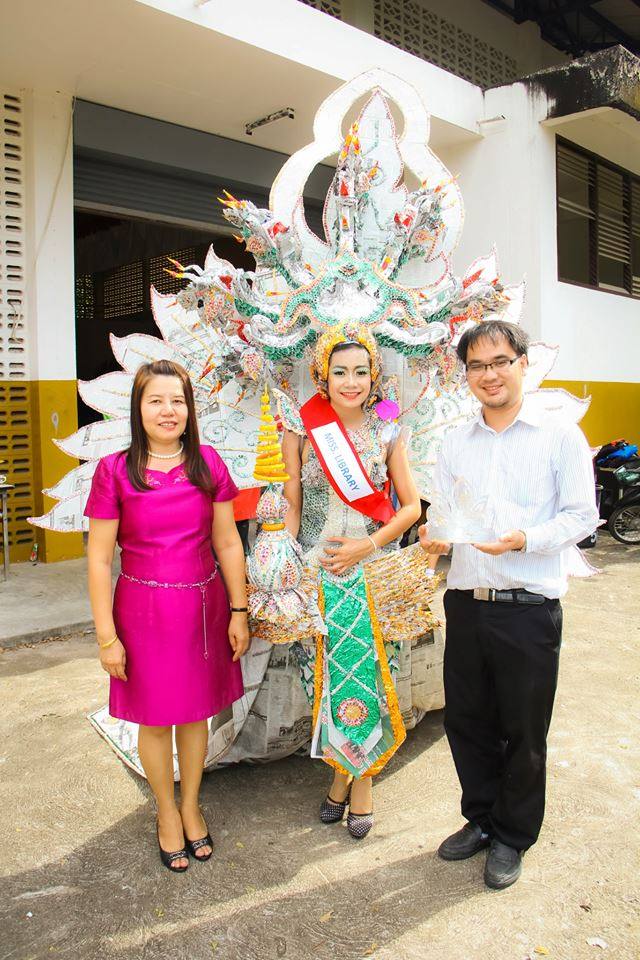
(383,266)
(340,453)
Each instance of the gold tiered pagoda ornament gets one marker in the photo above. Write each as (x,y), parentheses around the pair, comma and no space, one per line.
(280,608)
(269,466)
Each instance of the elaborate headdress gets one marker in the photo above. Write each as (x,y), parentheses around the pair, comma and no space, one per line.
(347,334)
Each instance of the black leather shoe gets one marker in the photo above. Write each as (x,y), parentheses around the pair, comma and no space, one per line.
(503,866)
(464,843)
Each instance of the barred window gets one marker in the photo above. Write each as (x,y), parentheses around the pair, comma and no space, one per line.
(122,294)
(123,291)
(598,206)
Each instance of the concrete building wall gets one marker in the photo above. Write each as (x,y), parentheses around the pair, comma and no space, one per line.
(508,181)
(499,175)
(37,342)
(522,43)
(598,331)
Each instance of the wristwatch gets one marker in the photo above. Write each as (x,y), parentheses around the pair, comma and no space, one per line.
(523,548)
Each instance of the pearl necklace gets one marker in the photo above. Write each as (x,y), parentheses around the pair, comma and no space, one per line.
(168,456)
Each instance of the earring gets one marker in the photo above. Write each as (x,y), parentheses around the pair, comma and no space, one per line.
(373,396)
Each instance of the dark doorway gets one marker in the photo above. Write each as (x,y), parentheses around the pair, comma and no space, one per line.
(116,261)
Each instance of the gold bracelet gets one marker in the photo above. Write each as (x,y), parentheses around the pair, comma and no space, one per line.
(375,545)
(103,646)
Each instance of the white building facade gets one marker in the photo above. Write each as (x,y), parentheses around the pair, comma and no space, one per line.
(120,121)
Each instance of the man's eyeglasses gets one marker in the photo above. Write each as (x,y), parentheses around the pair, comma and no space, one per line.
(474,369)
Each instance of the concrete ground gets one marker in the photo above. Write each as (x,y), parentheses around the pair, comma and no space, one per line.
(80,877)
(43,600)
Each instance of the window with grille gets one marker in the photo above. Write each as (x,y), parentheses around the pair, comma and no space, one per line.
(408,25)
(158,268)
(598,211)
(123,293)
(84,299)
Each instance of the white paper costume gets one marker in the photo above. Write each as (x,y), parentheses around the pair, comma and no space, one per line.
(383,264)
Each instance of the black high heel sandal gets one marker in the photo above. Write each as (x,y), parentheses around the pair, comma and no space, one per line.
(169,858)
(332,811)
(193,845)
(206,841)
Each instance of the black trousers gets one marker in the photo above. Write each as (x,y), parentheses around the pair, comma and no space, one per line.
(500,677)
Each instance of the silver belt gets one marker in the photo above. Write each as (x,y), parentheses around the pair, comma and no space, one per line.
(201,585)
(506,596)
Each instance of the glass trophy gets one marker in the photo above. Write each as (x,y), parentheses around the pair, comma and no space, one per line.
(460,517)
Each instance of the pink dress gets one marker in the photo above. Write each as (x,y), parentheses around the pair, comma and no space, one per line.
(179,660)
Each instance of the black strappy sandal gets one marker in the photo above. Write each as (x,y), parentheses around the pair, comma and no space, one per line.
(170,858)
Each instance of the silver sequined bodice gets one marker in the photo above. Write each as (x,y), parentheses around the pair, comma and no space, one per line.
(324,514)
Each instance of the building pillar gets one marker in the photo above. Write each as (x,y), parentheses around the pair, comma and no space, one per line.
(51,304)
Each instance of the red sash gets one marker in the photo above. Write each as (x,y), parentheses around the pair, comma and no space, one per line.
(340,461)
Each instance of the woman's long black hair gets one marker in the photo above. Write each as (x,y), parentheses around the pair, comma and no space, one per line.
(195,467)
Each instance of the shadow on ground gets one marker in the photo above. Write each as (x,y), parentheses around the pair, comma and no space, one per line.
(111,898)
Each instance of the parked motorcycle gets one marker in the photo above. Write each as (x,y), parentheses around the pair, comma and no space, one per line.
(607,460)
(624,519)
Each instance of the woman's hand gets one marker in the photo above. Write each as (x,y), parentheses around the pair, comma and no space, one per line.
(347,554)
(113,659)
(239,634)
(432,547)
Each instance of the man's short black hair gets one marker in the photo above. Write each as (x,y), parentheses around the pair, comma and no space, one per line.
(494,330)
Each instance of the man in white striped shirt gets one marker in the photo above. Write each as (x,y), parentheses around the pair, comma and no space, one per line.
(504,619)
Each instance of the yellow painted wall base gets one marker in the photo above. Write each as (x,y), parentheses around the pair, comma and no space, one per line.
(54,415)
(614,412)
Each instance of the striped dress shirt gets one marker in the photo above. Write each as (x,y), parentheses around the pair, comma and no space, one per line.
(538,477)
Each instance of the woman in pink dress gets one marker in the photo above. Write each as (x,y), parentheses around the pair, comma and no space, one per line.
(172,638)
